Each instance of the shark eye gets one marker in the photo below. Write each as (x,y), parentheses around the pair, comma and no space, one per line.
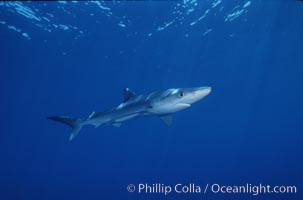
(181,94)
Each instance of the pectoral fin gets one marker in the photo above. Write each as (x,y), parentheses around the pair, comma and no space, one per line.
(167,119)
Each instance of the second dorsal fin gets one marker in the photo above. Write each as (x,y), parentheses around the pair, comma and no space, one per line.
(128,94)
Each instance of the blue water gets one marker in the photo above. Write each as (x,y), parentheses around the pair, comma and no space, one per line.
(81,57)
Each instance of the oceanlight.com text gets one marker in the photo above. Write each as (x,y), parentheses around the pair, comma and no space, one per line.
(214,188)
(251,189)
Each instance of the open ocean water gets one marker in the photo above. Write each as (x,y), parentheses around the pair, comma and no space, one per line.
(74,57)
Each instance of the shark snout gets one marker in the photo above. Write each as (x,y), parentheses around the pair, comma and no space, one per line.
(201,92)
(207,90)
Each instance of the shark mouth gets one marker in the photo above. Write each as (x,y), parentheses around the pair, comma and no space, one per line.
(184,105)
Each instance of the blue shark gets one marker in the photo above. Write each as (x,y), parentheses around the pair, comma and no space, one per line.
(160,103)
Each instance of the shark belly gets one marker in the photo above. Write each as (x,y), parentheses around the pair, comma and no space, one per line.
(126,117)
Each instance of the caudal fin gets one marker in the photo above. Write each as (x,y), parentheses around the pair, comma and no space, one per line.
(75,123)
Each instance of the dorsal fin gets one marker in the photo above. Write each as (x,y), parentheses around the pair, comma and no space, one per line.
(128,94)
(91,115)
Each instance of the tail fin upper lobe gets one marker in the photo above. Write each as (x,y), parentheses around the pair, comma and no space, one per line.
(75,123)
